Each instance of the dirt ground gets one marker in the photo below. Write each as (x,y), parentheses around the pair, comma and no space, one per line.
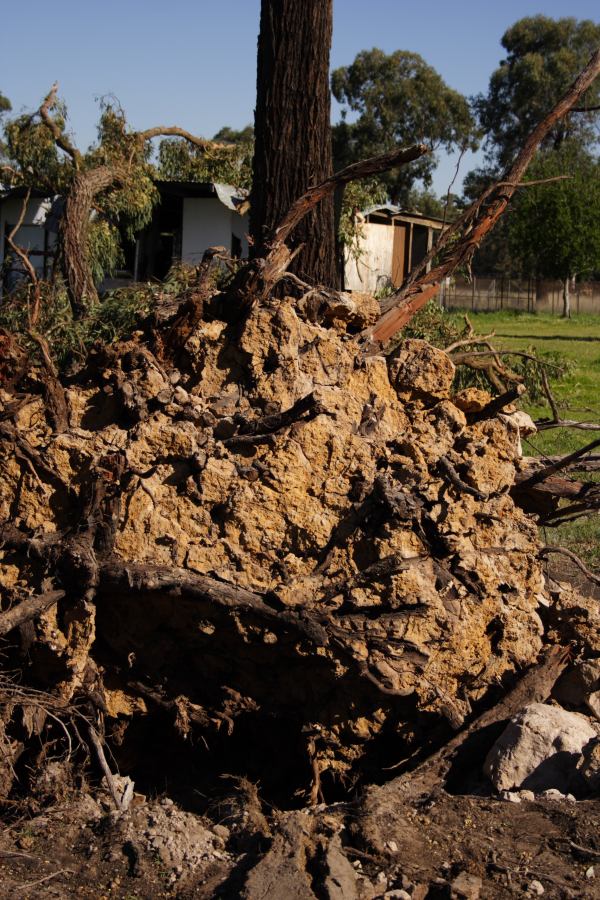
(453,846)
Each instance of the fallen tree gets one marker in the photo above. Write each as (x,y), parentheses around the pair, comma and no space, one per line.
(258,539)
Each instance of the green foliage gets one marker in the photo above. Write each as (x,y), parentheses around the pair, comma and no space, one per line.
(104,248)
(180,161)
(554,229)
(427,203)
(229,135)
(128,205)
(31,149)
(112,319)
(358,195)
(441,328)
(543,56)
(399,99)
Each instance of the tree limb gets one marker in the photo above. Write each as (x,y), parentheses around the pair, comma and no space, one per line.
(464,237)
(59,136)
(175,131)
(545,551)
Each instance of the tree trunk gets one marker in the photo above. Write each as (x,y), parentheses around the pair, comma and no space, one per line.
(566,313)
(293,132)
(75,236)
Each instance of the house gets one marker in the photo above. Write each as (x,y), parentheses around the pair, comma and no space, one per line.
(189,218)
(37,235)
(390,244)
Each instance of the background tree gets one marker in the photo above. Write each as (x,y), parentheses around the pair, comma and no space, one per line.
(5,106)
(108,190)
(543,56)
(554,229)
(292,129)
(180,160)
(399,98)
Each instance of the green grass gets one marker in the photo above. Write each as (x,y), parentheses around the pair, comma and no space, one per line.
(577,341)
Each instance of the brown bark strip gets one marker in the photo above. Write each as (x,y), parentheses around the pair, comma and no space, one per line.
(28,609)
(474,225)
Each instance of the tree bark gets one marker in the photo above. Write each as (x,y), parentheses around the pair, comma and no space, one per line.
(74,228)
(293,134)
(566,313)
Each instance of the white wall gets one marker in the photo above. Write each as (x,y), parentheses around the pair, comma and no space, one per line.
(207,223)
(373,269)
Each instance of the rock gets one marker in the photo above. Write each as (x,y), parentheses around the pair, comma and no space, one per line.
(399,894)
(466,887)
(417,368)
(580,686)
(536,887)
(589,766)
(539,749)
(471,399)
(340,881)
(511,796)
(553,794)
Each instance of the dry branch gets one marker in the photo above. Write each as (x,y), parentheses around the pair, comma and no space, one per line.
(534,687)
(28,609)
(546,551)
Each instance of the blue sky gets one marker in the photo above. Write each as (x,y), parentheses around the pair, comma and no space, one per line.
(192,62)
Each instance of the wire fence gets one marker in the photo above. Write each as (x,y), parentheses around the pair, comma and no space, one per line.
(483,293)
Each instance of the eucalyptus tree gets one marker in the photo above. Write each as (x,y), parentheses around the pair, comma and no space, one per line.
(292,130)
(108,189)
(543,56)
(398,98)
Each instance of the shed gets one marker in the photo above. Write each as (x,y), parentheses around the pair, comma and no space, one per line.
(392,241)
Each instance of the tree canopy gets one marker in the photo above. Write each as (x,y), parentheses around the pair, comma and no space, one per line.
(543,56)
(179,160)
(398,98)
(109,189)
(554,228)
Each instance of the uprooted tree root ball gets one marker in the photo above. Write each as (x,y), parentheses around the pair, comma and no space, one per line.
(274,549)
(256,557)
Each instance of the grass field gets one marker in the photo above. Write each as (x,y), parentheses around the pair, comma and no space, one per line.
(578,394)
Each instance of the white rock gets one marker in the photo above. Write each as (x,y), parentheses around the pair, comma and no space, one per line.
(539,749)
(590,873)
(552,794)
(536,888)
